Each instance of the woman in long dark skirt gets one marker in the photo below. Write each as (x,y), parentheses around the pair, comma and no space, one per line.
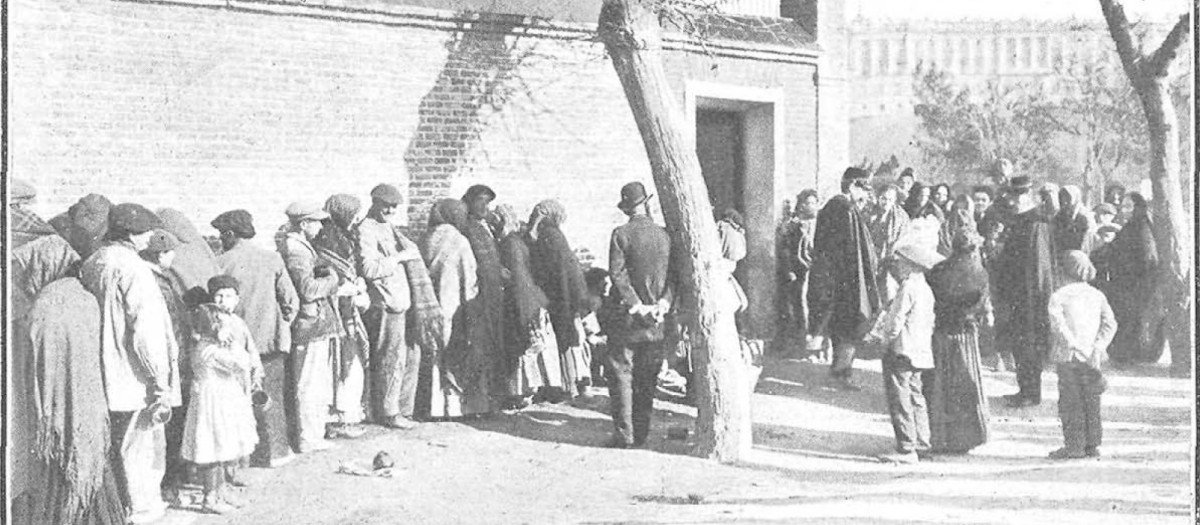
(1130,265)
(557,272)
(958,411)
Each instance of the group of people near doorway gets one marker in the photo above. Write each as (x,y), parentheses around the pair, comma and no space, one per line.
(147,357)
(935,283)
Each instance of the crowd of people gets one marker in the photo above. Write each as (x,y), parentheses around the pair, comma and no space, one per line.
(1003,275)
(148,358)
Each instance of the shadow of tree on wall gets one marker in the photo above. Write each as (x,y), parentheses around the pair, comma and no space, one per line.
(479,79)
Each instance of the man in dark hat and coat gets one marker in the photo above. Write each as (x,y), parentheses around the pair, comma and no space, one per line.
(843,292)
(268,304)
(639,262)
(139,353)
(1024,279)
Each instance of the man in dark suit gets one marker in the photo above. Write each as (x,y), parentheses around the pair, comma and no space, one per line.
(638,260)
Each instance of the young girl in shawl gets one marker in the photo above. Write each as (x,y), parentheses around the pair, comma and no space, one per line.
(220,427)
(557,272)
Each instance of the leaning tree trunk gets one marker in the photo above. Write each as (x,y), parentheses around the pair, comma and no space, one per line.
(632,36)
(1172,306)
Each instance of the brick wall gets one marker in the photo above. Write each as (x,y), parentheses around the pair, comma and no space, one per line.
(206,109)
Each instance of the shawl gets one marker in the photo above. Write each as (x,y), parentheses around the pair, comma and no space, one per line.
(843,294)
(960,289)
(958,221)
(337,242)
(424,321)
(490,325)
(503,221)
(63,386)
(1133,252)
(886,228)
(557,272)
(453,272)
(526,297)
(549,212)
(195,263)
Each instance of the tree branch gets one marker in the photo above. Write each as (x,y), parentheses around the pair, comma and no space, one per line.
(1160,59)
(1118,27)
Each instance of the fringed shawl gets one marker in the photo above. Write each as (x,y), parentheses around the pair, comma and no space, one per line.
(557,272)
(454,275)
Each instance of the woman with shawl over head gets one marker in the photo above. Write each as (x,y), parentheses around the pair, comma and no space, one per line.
(531,359)
(557,272)
(959,218)
(195,263)
(1130,263)
(457,382)
(958,411)
(1073,227)
(337,246)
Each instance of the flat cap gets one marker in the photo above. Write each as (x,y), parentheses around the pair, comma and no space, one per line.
(301,210)
(131,218)
(162,241)
(387,194)
(240,222)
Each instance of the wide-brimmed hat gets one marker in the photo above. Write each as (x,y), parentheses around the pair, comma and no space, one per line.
(919,254)
(633,195)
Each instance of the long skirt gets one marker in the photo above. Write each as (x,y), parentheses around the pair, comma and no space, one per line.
(534,360)
(958,411)
(577,364)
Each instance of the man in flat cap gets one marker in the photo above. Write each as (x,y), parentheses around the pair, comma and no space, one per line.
(268,303)
(138,353)
(639,261)
(1024,279)
(843,292)
(316,330)
(387,257)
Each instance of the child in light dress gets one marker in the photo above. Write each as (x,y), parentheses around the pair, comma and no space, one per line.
(220,428)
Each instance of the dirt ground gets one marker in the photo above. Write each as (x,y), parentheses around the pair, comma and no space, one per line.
(813,462)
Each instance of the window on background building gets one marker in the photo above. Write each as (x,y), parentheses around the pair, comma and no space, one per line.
(1027,53)
(947,60)
(979,64)
(1057,54)
(1010,53)
(902,57)
(1043,58)
(997,54)
(883,59)
(864,50)
(964,56)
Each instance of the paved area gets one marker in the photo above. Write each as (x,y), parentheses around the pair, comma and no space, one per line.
(812,463)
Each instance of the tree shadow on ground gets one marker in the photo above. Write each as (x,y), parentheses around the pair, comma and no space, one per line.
(810,381)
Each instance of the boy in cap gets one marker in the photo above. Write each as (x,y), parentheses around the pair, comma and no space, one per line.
(906,329)
(267,304)
(1083,325)
(316,329)
(138,353)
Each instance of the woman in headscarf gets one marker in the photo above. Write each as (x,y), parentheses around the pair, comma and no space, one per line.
(888,222)
(457,382)
(1072,226)
(195,263)
(958,411)
(919,205)
(337,247)
(960,218)
(1131,267)
(531,360)
(557,272)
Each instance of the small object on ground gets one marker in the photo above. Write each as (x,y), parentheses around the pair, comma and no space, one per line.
(900,458)
(1066,453)
(437,444)
(677,433)
(1091,452)
(350,469)
(383,460)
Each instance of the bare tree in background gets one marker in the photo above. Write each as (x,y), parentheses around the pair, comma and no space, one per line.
(1148,74)
(631,33)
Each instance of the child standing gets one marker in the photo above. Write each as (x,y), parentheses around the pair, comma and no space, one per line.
(220,427)
(906,330)
(1082,326)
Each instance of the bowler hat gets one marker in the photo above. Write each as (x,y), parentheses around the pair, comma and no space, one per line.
(918,254)
(632,195)
(162,241)
(387,194)
(130,218)
(302,210)
(240,222)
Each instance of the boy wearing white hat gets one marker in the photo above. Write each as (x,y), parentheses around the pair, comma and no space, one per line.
(906,330)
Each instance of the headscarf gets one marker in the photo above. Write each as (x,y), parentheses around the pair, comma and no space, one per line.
(448,211)
(503,220)
(549,211)
(195,263)
(1076,200)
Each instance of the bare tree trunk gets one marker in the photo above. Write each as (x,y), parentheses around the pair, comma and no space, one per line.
(1172,308)
(632,36)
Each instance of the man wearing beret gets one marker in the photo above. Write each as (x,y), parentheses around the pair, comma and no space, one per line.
(843,293)
(268,304)
(395,364)
(1024,279)
(138,353)
(316,330)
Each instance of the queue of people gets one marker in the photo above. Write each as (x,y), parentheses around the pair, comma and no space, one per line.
(178,364)
(943,285)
